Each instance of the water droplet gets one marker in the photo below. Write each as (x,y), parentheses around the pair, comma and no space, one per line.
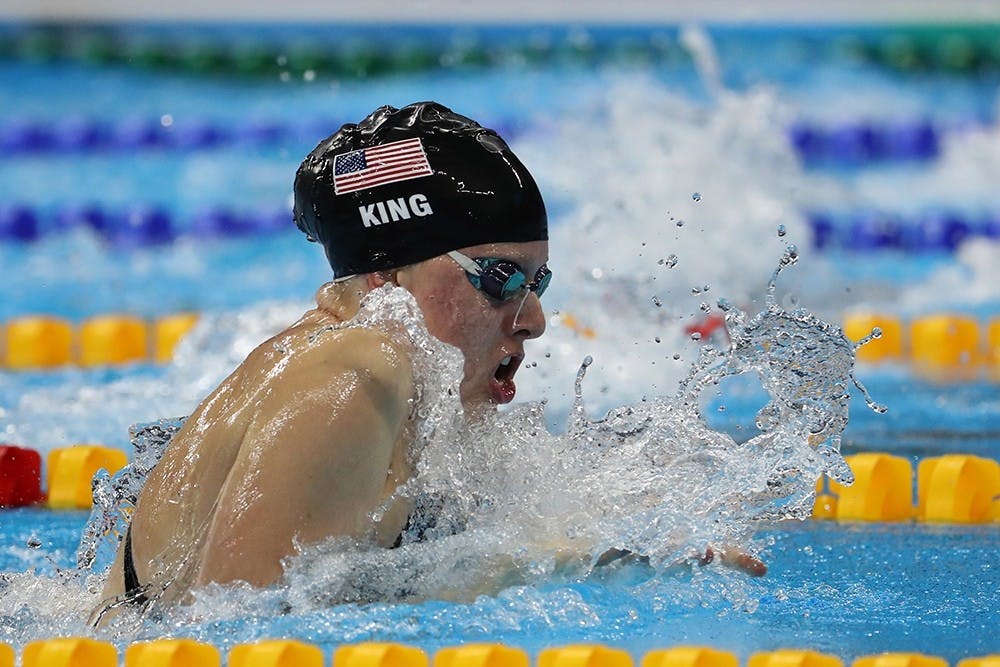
(696,335)
(588,360)
(548,355)
(679,223)
(33,542)
(677,357)
(781,230)
(696,196)
(721,408)
(705,307)
(309,75)
(657,339)
(657,302)
(671,261)
(166,120)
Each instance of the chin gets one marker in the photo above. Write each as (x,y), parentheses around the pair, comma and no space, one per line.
(478,404)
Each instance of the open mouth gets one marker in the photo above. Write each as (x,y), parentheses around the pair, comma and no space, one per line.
(507,367)
(502,387)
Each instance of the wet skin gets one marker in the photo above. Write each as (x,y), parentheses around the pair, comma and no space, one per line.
(484,329)
(311,433)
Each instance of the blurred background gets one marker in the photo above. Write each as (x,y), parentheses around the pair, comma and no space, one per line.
(147,155)
(147,152)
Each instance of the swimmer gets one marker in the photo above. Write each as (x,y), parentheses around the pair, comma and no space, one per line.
(310,434)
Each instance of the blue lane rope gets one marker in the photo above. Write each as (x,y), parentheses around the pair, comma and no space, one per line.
(851,143)
(150,225)
(140,225)
(873,230)
(27,137)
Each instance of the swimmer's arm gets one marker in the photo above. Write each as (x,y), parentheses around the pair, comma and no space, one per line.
(733,558)
(314,462)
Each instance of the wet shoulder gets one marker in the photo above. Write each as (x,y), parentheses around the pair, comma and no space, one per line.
(370,352)
(363,347)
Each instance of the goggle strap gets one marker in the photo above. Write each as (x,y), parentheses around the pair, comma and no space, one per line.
(476,273)
(466,263)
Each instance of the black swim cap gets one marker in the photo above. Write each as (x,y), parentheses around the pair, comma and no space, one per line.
(405,185)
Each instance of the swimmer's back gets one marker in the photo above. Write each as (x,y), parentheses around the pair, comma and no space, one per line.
(315,416)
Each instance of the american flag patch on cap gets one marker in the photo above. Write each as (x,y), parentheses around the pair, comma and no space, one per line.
(380,165)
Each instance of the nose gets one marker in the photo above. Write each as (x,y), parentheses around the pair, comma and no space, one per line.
(529,318)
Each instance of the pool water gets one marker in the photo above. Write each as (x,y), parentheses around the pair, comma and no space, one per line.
(640,160)
(848,590)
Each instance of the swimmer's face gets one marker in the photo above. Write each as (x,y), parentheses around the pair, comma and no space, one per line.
(484,329)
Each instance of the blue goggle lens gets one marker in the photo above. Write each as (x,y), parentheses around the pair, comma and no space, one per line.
(504,280)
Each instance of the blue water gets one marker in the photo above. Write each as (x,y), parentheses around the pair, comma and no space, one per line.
(845,589)
(849,590)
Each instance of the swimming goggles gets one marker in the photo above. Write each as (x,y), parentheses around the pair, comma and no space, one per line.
(501,279)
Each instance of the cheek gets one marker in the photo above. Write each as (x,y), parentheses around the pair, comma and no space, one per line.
(446,319)
(471,327)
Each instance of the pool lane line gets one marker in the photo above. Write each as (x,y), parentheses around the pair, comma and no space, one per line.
(847,143)
(934,230)
(954,49)
(953,488)
(939,346)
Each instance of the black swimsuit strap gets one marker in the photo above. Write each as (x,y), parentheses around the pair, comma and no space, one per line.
(133,589)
